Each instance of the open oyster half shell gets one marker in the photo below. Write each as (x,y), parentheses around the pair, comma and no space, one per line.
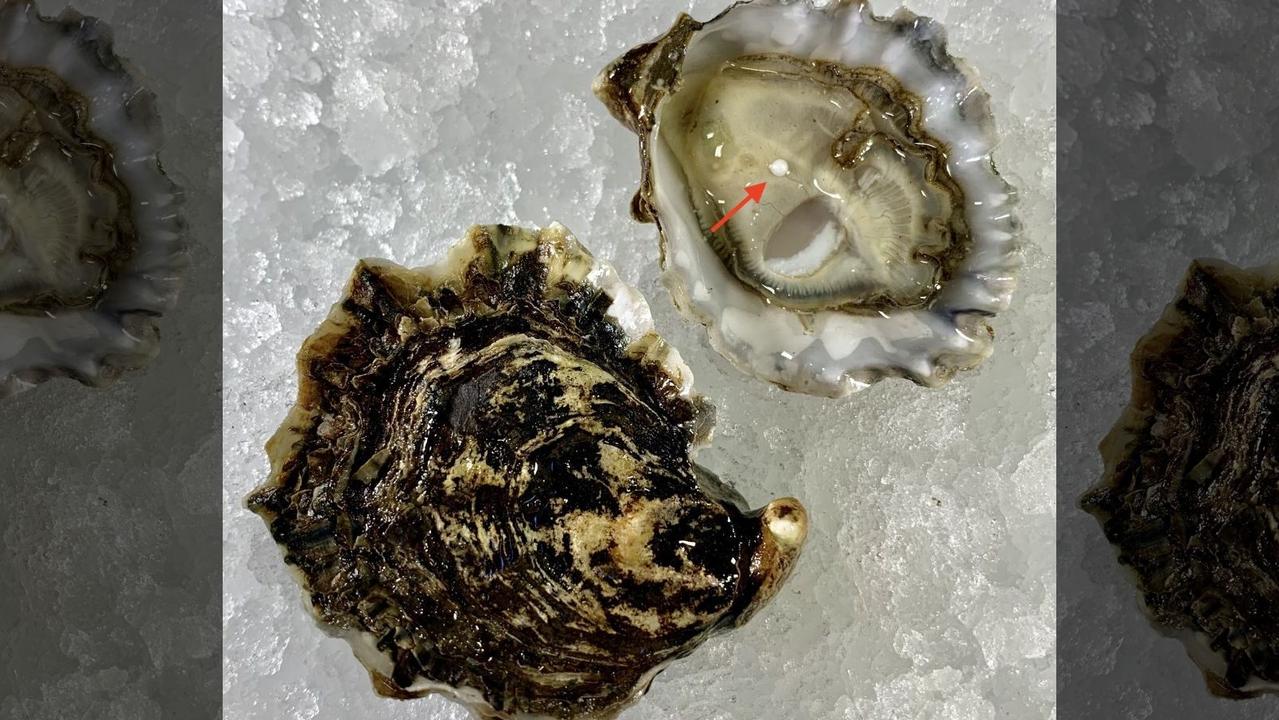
(885,238)
(1190,495)
(486,485)
(91,240)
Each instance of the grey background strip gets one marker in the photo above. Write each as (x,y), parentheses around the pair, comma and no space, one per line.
(110,575)
(1167,133)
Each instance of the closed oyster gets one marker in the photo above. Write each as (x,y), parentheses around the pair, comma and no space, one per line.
(885,239)
(90,237)
(1190,495)
(486,485)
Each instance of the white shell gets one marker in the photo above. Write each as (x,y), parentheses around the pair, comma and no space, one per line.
(95,344)
(830,352)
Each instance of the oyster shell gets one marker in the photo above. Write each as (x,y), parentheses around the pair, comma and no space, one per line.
(90,237)
(886,237)
(486,485)
(1190,495)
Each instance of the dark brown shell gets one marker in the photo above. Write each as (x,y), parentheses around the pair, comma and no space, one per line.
(1190,495)
(486,485)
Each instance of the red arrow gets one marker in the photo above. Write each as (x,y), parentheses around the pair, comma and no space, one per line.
(753,192)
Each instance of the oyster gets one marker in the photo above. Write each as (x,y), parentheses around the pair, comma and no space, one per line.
(886,237)
(1190,495)
(486,485)
(90,237)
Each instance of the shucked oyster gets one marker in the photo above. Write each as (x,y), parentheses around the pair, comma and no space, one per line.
(1191,491)
(90,238)
(885,237)
(485,485)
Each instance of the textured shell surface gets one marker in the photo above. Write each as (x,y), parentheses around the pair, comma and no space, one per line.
(1190,494)
(885,238)
(486,485)
(91,240)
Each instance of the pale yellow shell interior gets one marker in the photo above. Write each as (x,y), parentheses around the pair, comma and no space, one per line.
(853,213)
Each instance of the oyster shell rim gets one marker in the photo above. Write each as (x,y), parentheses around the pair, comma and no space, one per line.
(119,332)
(960,334)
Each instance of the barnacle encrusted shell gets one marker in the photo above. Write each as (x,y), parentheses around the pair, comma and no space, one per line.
(885,238)
(486,485)
(1190,495)
(90,236)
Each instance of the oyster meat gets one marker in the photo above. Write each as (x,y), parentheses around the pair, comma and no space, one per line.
(486,485)
(885,238)
(1190,495)
(90,237)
